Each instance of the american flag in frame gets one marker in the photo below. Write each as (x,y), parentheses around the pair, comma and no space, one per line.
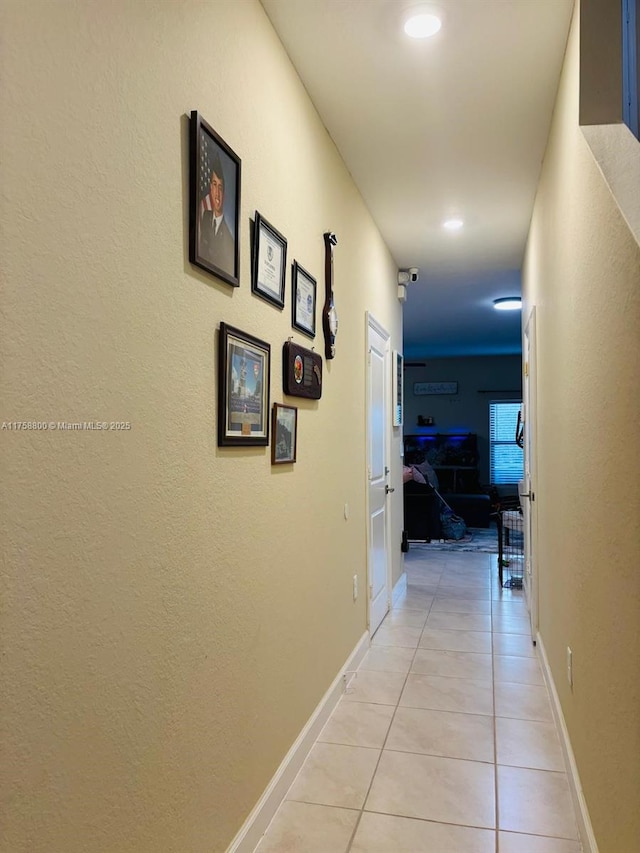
(214,202)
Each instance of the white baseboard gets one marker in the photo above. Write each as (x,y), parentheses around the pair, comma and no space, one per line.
(262,814)
(400,588)
(585,830)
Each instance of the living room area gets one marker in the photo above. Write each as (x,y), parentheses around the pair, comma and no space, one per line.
(460,417)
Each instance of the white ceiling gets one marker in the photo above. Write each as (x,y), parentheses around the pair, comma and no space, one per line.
(452,125)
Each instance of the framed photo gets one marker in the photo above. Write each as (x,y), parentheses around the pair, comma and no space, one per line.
(421,389)
(214,203)
(269,262)
(243,388)
(304,301)
(285,434)
(398,393)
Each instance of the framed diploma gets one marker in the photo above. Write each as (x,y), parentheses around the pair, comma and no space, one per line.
(304,301)
(269,262)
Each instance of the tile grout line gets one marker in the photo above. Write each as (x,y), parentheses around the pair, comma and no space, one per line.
(442,581)
(393,716)
(498,609)
(495,732)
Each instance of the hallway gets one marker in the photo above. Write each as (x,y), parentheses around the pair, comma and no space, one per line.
(444,735)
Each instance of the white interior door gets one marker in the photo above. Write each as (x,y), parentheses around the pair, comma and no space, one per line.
(528,486)
(378,425)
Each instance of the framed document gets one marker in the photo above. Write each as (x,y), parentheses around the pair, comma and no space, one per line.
(398,396)
(304,301)
(269,262)
(243,388)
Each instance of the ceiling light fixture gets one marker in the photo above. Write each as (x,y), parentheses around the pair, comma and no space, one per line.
(422,25)
(453,224)
(508,303)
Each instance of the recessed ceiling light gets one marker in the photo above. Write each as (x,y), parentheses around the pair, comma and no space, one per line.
(422,25)
(508,303)
(453,224)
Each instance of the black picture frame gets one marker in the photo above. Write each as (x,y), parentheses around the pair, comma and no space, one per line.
(284,429)
(303,308)
(214,243)
(269,262)
(244,368)
(398,388)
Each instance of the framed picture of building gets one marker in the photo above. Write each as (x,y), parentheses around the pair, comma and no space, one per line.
(243,388)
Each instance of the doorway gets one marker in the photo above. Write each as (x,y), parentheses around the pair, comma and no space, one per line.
(378,456)
(528,489)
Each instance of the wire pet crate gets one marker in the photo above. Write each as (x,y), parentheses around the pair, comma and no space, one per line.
(511,549)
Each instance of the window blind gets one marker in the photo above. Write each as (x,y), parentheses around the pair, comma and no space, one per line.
(506,458)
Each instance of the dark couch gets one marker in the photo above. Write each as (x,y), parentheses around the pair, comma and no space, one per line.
(454,458)
(422,510)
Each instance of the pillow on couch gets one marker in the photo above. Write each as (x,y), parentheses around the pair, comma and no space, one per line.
(428,474)
(410,472)
(417,476)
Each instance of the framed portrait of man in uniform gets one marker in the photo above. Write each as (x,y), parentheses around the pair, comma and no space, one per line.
(214,203)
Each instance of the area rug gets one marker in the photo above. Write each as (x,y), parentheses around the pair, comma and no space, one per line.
(484,540)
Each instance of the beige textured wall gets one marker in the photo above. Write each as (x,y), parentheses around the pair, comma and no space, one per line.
(582,272)
(173,612)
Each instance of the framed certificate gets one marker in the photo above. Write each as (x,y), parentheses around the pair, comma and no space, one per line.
(304,301)
(269,262)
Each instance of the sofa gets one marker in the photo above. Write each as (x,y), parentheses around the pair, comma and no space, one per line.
(445,454)
(422,510)
(422,504)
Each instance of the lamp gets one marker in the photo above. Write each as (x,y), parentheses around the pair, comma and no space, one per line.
(508,303)
(421,23)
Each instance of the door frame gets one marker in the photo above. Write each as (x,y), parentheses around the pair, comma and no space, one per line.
(372,324)
(529,400)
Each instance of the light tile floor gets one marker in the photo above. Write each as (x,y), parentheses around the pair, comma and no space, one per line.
(444,741)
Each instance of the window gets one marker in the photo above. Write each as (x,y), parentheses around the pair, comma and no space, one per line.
(506,458)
